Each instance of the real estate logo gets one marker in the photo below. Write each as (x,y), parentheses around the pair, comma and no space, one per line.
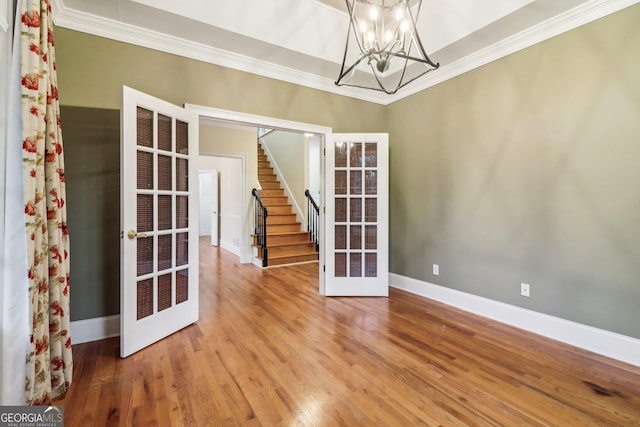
(31,416)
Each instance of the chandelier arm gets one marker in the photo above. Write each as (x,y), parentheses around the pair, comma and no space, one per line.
(414,78)
(362,87)
(344,73)
(379,52)
(352,27)
(404,71)
(351,69)
(424,60)
(400,84)
(382,87)
(344,59)
(416,37)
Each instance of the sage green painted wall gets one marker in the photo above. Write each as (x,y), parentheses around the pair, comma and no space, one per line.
(524,170)
(528,170)
(288,153)
(92,70)
(92,172)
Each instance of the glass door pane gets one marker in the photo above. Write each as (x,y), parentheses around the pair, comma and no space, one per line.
(357,215)
(158,288)
(356,190)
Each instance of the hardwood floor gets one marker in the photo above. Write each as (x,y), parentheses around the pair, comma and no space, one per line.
(268,350)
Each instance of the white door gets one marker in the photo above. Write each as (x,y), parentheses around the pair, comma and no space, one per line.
(159,220)
(209,203)
(205,181)
(357,215)
(215,209)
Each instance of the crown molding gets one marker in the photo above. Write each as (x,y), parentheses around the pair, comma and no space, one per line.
(555,26)
(115,30)
(123,32)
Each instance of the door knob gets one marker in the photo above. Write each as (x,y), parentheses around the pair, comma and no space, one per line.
(133,234)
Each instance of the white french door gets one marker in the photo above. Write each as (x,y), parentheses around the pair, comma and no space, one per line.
(357,223)
(159,220)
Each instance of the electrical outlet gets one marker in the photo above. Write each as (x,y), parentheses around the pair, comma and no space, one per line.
(436,270)
(524,289)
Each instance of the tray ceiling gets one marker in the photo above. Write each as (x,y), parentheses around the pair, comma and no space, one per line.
(302,41)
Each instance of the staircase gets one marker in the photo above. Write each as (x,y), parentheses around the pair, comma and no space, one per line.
(286,243)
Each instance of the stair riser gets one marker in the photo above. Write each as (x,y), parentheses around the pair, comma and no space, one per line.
(292,260)
(283,239)
(268,178)
(279,209)
(270,185)
(274,201)
(281,219)
(302,249)
(271,193)
(282,228)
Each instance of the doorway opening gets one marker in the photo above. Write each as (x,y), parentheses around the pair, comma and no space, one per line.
(315,135)
(221,179)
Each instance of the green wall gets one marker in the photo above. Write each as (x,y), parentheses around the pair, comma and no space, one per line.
(91,72)
(92,171)
(528,170)
(524,170)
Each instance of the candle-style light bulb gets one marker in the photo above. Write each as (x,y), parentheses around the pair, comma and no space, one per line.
(399,13)
(370,37)
(373,13)
(388,36)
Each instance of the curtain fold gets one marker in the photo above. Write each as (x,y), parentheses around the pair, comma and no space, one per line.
(49,363)
(13,249)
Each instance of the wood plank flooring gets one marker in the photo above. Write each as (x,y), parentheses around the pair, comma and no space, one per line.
(269,351)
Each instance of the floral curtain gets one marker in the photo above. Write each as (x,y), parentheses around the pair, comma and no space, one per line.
(49,361)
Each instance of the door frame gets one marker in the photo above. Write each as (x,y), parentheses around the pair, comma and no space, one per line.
(325,132)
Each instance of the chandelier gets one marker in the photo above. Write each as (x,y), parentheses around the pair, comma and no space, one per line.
(383,46)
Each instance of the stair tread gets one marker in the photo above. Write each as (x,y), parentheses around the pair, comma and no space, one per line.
(292,256)
(279,233)
(308,242)
(271,257)
(287,233)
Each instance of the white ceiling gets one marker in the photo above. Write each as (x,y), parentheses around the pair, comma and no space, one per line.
(302,41)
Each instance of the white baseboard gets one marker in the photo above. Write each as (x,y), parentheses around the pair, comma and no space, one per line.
(95,329)
(600,341)
(230,247)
